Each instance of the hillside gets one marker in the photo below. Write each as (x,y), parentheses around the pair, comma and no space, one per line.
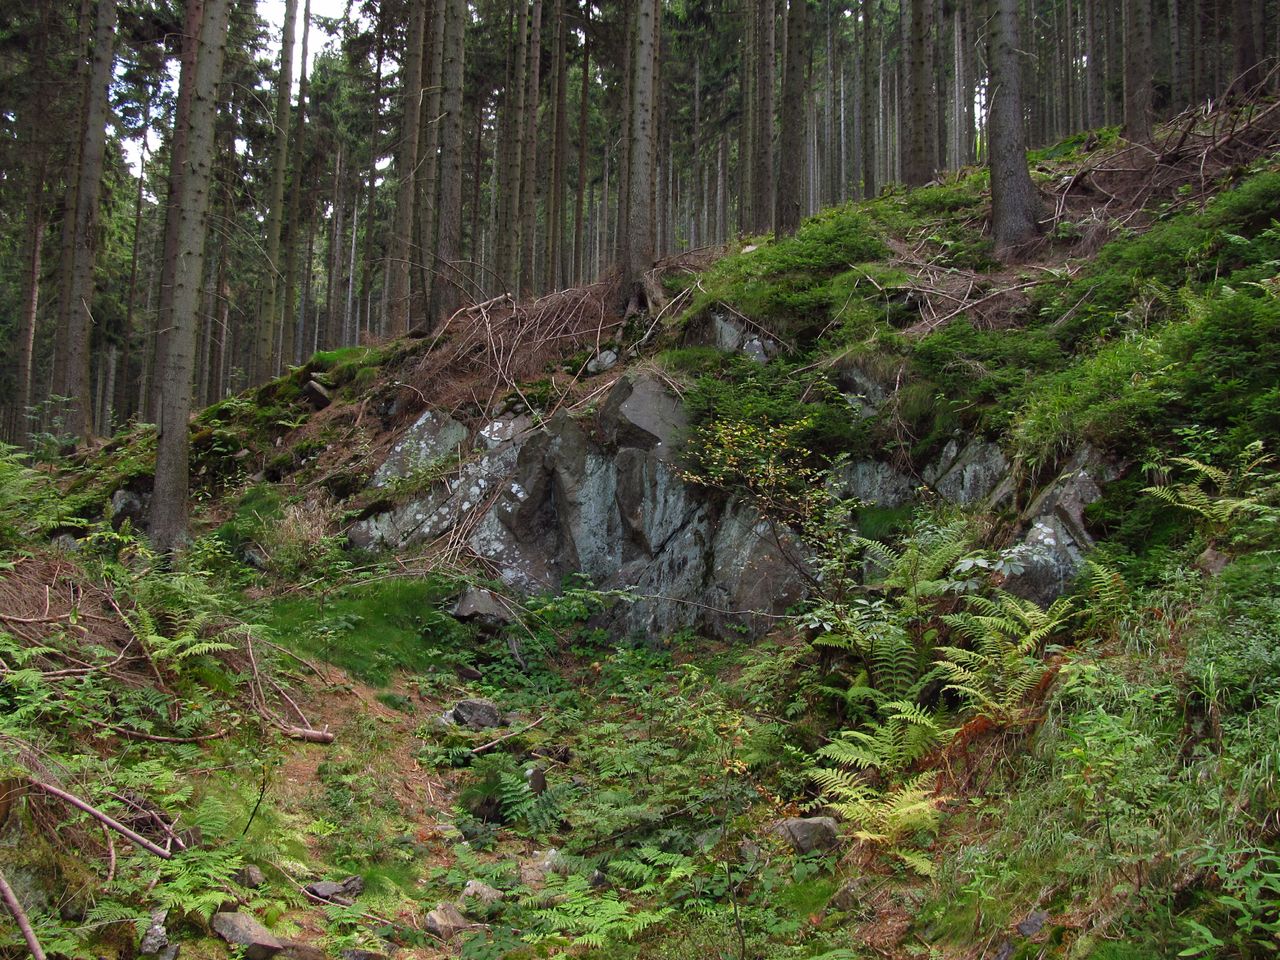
(869,596)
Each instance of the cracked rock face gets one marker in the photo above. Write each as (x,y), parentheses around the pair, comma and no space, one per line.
(606,500)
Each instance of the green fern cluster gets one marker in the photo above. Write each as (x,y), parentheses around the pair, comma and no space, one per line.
(999,668)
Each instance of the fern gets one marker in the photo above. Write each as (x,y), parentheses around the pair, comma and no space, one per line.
(997,673)
(1224,499)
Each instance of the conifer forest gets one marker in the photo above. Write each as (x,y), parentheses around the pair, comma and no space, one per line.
(640,479)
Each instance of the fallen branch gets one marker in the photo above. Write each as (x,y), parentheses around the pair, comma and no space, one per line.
(20,918)
(103,819)
(308,735)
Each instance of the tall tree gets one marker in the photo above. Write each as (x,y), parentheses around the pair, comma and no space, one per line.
(269,322)
(792,143)
(81,240)
(642,137)
(1013,195)
(170,502)
(919,154)
(1138,71)
(448,286)
(400,255)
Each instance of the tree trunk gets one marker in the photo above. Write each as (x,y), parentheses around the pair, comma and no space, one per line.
(793,146)
(869,101)
(450,278)
(1137,71)
(169,508)
(639,222)
(77,321)
(400,262)
(762,181)
(289,317)
(1246,47)
(265,361)
(584,107)
(1013,196)
(918,161)
(529,144)
(428,178)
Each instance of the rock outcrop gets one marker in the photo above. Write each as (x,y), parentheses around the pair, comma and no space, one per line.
(602,498)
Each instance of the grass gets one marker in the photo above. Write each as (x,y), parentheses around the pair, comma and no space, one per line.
(372,629)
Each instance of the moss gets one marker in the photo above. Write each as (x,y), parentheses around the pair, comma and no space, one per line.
(372,629)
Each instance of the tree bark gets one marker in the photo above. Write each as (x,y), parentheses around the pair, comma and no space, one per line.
(640,221)
(1137,71)
(529,186)
(793,145)
(265,360)
(1013,196)
(77,321)
(169,511)
(447,289)
(918,157)
(400,260)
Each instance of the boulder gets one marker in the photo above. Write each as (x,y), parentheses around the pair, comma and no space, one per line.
(342,892)
(432,437)
(251,876)
(877,483)
(848,896)
(807,834)
(446,922)
(244,930)
(484,608)
(1057,538)
(481,891)
(478,714)
(504,430)
(126,505)
(317,394)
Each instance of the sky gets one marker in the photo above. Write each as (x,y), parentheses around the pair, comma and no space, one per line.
(272,12)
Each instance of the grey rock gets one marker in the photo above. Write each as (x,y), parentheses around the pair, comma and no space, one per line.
(749,851)
(967,475)
(602,361)
(864,394)
(726,334)
(599,880)
(156,937)
(478,714)
(353,953)
(1212,561)
(807,834)
(317,394)
(251,876)
(130,506)
(329,890)
(534,870)
(484,608)
(446,922)
(1005,951)
(244,930)
(1056,537)
(848,896)
(170,952)
(1033,923)
(877,483)
(504,430)
(757,349)
(431,438)
(481,891)
(643,414)
(536,777)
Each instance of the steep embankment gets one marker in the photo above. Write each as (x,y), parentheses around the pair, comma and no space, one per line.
(872,599)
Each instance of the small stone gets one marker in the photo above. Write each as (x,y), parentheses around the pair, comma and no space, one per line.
(599,880)
(169,953)
(353,886)
(536,777)
(329,890)
(749,851)
(251,876)
(807,834)
(466,672)
(156,937)
(535,869)
(1033,923)
(849,895)
(479,890)
(604,360)
(477,714)
(446,922)
(244,930)
(1004,952)
(1212,561)
(352,953)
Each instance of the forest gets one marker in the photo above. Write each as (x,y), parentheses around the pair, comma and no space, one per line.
(640,479)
